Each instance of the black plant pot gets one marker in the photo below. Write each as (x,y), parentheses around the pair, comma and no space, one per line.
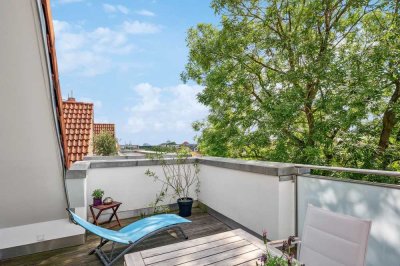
(185,207)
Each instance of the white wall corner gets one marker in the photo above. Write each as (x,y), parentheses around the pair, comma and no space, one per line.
(76,191)
(286,209)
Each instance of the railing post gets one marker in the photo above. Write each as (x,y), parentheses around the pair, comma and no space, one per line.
(296,231)
(300,171)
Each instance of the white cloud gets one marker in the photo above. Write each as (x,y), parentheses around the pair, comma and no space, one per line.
(149,96)
(115,9)
(97,103)
(145,13)
(123,9)
(85,63)
(169,111)
(91,53)
(109,8)
(106,40)
(137,27)
(101,119)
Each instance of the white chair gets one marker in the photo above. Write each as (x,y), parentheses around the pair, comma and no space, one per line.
(333,239)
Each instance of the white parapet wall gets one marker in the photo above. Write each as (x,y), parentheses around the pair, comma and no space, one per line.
(257,201)
(256,195)
(379,203)
(127,184)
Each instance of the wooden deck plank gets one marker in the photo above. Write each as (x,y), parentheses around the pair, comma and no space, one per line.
(221,256)
(196,256)
(192,249)
(134,259)
(243,258)
(252,239)
(186,244)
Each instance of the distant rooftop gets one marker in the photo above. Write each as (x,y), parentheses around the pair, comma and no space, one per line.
(78,121)
(100,127)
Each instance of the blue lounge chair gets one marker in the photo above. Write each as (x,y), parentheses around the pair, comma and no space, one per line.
(130,235)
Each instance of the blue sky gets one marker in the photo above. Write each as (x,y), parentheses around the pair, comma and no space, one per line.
(126,58)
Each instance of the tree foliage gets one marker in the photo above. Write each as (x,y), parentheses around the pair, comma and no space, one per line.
(105,144)
(306,81)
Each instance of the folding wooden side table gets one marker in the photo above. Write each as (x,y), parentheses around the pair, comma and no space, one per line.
(114,206)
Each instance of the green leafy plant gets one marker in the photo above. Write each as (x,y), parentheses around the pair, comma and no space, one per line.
(286,259)
(105,144)
(179,175)
(158,209)
(98,193)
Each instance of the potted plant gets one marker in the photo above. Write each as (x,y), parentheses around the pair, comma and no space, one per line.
(286,259)
(97,197)
(180,175)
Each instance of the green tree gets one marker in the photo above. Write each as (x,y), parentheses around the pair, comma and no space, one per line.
(383,28)
(105,144)
(299,81)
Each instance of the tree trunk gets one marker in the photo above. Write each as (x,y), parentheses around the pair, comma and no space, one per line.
(308,110)
(389,119)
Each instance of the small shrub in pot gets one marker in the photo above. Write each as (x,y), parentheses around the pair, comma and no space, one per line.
(180,174)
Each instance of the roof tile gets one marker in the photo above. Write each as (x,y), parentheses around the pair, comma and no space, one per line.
(99,127)
(78,120)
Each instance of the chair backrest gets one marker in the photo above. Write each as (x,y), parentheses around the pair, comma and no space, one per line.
(97,230)
(332,239)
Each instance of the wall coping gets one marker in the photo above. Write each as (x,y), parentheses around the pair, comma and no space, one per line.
(79,169)
(284,171)
(140,155)
(259,167)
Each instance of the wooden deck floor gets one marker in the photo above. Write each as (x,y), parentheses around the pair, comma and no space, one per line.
(202,224)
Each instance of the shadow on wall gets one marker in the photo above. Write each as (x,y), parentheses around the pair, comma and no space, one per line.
(379,204)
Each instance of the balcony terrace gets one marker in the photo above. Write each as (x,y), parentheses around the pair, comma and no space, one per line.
(252,195)
(35,189)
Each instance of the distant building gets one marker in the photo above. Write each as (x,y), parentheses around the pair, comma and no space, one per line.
(78,121)
(100,127)
(129,147)
(146,146)
(169,144)
(192,147)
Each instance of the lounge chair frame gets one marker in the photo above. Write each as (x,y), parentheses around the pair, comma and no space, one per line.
(110,259)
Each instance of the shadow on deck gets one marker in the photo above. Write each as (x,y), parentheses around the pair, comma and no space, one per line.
(202,224)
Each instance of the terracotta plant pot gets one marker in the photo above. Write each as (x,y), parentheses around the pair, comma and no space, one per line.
(97,202)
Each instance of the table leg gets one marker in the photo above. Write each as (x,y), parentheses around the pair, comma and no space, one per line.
(97,216)
(94,216)
(115,214)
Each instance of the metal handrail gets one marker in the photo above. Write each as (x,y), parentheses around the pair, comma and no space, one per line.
(349,170)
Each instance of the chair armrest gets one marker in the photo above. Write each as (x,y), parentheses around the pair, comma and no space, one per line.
(279,243)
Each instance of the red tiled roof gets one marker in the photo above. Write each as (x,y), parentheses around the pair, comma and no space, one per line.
(99,127)
(78,120)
